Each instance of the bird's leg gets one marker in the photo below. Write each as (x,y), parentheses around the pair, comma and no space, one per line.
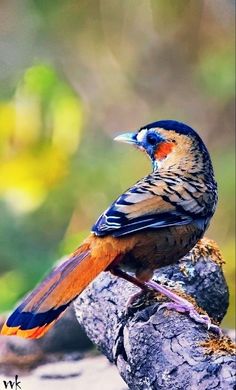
(121,274)
(177,303)
(118,272)
(182,305)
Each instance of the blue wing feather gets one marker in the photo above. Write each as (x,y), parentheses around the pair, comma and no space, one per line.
(116,222)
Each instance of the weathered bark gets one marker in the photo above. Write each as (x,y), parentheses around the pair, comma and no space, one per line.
(162,349)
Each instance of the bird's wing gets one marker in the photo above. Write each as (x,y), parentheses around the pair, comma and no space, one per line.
(157,201)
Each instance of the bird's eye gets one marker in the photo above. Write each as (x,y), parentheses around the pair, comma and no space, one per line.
(152,138)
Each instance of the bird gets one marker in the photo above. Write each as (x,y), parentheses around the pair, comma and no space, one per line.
(153,224)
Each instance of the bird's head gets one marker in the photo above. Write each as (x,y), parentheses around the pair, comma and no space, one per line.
(166,142)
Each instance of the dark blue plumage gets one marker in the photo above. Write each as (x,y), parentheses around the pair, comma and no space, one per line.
(30,320)
(169,124)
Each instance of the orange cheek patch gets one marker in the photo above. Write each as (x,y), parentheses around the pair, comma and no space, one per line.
(163,149)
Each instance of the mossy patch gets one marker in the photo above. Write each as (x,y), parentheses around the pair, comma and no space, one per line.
(207,248)
(220,346)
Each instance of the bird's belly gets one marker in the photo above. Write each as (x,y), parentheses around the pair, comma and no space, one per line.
(161,247)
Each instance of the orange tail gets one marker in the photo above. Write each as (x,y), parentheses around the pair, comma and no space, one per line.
(43,306)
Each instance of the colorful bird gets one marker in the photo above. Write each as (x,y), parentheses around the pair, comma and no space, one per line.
(154,223)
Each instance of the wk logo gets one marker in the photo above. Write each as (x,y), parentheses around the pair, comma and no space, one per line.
(14,385)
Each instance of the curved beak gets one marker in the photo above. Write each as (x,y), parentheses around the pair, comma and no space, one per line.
(127,138)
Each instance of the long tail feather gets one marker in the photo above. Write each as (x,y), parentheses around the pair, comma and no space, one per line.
(45,304)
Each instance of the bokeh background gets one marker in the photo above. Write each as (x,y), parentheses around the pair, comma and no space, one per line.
(73,73)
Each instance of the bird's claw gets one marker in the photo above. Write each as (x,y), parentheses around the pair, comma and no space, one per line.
(189,308)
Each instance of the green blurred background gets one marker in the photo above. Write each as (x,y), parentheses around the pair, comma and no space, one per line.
(75,73)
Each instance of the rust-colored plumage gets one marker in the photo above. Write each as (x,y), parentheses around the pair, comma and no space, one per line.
(154,223)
